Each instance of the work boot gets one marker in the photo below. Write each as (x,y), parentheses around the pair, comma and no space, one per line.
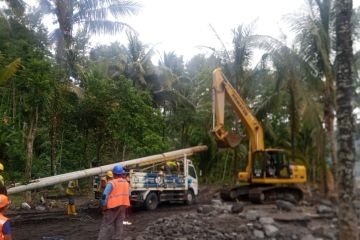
(73,209)
(69,209)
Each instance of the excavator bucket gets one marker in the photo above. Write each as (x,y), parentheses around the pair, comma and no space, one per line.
(231,140)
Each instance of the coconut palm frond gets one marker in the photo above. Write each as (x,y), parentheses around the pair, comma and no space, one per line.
(106,26)
(100,10)
(226,53)
(174,97)
(135,47)
(243,47)
(79,92)
(9,71)
(148,55)
(268,104)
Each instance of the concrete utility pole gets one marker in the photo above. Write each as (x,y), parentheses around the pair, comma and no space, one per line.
(53,180)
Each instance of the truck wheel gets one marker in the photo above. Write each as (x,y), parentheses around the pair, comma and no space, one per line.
(151,201)
(190,197)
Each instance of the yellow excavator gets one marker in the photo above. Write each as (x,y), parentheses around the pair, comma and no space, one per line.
(268,176)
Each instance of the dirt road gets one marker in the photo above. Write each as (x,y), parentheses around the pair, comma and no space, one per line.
(55,225)
(210,218)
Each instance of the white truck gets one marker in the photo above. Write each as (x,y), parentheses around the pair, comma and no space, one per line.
(154,184)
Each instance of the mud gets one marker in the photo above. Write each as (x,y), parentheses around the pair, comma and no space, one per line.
(210,218)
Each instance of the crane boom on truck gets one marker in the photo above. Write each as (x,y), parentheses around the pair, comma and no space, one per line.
(268,175)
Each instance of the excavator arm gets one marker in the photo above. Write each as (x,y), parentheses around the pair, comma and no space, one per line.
(221,89)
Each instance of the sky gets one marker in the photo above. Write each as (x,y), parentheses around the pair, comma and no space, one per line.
(182,26)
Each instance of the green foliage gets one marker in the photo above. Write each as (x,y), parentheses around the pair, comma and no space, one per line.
(118,105)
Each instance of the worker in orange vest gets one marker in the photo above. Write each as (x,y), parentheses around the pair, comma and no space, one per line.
(5,232)
(115,200)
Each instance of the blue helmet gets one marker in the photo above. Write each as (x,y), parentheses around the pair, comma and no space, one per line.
(118,169)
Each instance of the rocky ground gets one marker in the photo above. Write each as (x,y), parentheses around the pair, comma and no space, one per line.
(210,218)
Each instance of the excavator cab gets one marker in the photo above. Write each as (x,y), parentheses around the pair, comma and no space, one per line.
(271,164)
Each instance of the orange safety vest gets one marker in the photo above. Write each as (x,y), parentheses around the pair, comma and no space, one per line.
(119,195)
(3,219)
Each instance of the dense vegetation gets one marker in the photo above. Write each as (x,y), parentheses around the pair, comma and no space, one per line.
(65,106)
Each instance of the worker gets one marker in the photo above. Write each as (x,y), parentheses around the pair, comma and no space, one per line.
(71,190)
(4,221)
(169,166)
(2,181)
(115,200)
(128,209)
(270,165)
(104,180)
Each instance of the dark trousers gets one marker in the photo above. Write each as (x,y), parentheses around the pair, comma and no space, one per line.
(112,224)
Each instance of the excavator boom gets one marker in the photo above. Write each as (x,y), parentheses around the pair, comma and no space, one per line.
(222,88)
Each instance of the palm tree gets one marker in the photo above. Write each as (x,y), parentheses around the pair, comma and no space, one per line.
(139,63)
(345,121)
(236,65)
(296,86)
(91,17)
(314,35)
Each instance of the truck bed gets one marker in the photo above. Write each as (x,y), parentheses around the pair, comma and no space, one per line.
(143,181)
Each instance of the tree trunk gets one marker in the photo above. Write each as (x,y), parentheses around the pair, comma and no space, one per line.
(329,118)
(29,147)
(124,152)
(13,100)
(53,143)
(324,48)
(345,122)
(30,143)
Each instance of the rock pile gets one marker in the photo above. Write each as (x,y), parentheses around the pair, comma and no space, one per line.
(220,220)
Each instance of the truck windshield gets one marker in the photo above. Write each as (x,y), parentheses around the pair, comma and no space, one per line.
(192,172)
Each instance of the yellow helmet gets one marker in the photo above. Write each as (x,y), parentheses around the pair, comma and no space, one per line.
(1,167)
(109,174)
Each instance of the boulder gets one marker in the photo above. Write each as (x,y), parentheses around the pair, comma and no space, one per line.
(25,206)
(40,208)
(259,234)
(237,207)
(284,205)
(266,220)
(270,230)
(323,209)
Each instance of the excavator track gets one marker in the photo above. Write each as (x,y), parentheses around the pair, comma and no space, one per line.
(262,193)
